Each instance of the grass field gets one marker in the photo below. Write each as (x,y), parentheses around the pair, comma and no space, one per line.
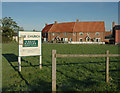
(73,74)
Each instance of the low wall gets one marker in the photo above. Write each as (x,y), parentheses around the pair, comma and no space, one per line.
(86,42)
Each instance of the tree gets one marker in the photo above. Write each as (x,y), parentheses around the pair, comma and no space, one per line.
(34,30)
(21,29)
(8,27)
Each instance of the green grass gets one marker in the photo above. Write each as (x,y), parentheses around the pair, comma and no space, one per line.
(73,74)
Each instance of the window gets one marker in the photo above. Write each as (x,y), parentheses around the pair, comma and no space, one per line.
(52,38)
(61,39)
(81,39)
(97,33)
(70,39)
(88,39)
(81,33)
(53,34)
(97,39)
(65,33)
(65,39)
(94,39)
(74,33)
(88,33)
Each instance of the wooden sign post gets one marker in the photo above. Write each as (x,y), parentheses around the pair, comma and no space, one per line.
(19,64)
(40,62)
(29,45)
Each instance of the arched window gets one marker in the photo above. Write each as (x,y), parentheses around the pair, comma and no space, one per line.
(53,34)
(88,39)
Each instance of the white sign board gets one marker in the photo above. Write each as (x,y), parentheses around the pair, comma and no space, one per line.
(29,43)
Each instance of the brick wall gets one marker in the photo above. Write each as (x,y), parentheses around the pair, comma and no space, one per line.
(60,35)
(92,35)
(117,36)
(76,36)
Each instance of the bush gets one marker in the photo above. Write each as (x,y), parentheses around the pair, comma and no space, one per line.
(6,39)
(59,41)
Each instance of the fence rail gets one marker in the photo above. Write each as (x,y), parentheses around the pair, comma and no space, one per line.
(54,56)
(88,55)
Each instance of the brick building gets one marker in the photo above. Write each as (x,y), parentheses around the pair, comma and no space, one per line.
(116,33)
(91,31)
(113,36)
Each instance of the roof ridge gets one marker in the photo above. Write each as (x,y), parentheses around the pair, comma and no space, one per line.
(65,22)
(74,26)
(51,27)
(91,21)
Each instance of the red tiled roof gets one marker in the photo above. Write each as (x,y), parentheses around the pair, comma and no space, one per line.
(47,28)
(63,27)
(92,26)
(97,26)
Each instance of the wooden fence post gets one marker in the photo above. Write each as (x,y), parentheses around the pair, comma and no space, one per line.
(53,70)
(107,67)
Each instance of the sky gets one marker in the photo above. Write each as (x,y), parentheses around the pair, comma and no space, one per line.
(119,13)
(0,10)
(60,0)
(34,15)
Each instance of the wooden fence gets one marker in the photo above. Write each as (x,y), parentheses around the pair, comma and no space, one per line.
(54,56)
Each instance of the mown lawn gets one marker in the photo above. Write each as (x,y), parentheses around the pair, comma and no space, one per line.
(73,74)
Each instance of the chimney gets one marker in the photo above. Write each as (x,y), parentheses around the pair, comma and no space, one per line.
(113,25)
(55,22)
(46,24)
(77,20)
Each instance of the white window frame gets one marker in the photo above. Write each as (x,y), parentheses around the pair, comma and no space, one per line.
(53,34)
(99,39)
(65,39)
(70,39)
(65,33)
(53,39)
(86,39)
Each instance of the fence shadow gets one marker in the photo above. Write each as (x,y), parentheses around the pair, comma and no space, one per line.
(75,82)
(37,84)
(76,63)
(13,58)
(41,86)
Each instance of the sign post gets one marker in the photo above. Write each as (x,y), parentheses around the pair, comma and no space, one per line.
(29,45)
(40,62)
(19,63)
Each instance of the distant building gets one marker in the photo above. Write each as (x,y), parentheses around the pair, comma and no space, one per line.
(15,36)
(91,31)
(113,36)
(108,37)
(116,34)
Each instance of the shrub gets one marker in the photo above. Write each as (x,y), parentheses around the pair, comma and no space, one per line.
(6,39)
